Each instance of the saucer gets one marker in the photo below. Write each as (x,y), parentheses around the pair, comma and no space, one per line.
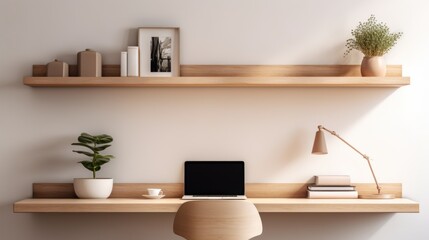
(153,196)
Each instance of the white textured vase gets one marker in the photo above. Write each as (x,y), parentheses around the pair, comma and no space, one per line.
(373,67)
(99,188)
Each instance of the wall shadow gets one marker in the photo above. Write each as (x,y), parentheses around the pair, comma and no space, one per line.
(322,226)
(130,226)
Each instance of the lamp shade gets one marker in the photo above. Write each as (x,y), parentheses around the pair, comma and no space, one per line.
(319,145)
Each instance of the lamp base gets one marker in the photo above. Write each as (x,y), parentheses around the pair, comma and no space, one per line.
(378,196)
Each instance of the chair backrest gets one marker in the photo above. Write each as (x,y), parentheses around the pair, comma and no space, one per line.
(221,219)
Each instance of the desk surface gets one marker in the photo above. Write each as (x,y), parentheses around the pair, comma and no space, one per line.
(170,205)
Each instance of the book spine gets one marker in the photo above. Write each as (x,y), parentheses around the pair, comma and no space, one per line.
(133,61)
(332,180)
(331,188)
(332,194)
(124,67)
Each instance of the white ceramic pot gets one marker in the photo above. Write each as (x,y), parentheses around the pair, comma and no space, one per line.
(373,67)
(93,188)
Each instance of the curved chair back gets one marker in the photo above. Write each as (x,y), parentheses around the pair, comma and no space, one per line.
(222,219)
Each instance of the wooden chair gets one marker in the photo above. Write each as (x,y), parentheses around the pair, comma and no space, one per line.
(218,219)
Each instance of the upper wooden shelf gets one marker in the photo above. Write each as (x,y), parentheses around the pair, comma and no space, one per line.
(268,197)
(230,76)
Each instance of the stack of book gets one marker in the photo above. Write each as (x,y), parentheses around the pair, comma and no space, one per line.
(130,62)
(332,186)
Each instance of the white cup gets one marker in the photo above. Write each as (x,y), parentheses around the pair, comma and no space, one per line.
(154,191)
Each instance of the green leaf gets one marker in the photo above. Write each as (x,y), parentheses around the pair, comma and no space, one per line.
(87,164)
(85,139)
(104,138)
(89,141)
(84,145)
(99,156)
(101,148)
(101,161)
(84,134)
(85,153)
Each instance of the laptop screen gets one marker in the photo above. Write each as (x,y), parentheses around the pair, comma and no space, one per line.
(214,178)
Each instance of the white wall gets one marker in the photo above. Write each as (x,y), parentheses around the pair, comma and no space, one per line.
(156,129)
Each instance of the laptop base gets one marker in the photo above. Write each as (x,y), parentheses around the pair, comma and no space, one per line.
(196,197)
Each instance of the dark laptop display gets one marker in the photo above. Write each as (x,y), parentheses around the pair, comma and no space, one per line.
(212,178)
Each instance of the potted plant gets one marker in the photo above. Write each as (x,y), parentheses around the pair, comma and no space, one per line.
(93,187)
(374,40)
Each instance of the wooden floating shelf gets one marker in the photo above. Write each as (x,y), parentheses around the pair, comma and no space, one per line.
(217,81)
(230,76)
(268,197)
(278,205)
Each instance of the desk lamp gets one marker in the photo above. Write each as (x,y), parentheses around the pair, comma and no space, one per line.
(319,147)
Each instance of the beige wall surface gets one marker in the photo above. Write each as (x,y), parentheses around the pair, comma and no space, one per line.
(157,129)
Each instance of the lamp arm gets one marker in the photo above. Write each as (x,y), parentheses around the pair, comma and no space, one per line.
(366,157)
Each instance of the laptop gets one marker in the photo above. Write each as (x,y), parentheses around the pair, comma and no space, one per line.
(214,180)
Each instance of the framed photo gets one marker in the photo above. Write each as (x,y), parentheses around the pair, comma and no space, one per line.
(159,52)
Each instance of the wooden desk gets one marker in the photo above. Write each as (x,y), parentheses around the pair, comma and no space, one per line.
(268,197)
(170,205)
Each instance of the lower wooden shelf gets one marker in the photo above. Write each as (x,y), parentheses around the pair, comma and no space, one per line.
(170,205)
(268,197)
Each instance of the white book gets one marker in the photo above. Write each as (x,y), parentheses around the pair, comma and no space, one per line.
(332,180)
(331,188)
(332,194)
(124,67)
(133,61)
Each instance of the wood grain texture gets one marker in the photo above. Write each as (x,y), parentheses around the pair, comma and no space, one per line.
(244,70)
(229,76)
(171,205)
(366,82)
(214,220)
(279,70)
(175,190)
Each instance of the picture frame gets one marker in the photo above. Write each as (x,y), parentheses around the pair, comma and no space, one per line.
(159,51)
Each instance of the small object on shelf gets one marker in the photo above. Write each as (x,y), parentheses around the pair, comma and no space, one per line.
(332,180)
(153,196)
(89,63)
(319,147)
(314,187)
(93,187)
(155,191)
(124,61)
(159,52)
(331,186)
(57,69)
(332,194)
(374,40)
(133,61)
(373,66)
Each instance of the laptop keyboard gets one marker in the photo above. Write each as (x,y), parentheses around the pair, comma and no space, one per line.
(214,195)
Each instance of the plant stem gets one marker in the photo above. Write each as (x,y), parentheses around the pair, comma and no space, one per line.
(93,162)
